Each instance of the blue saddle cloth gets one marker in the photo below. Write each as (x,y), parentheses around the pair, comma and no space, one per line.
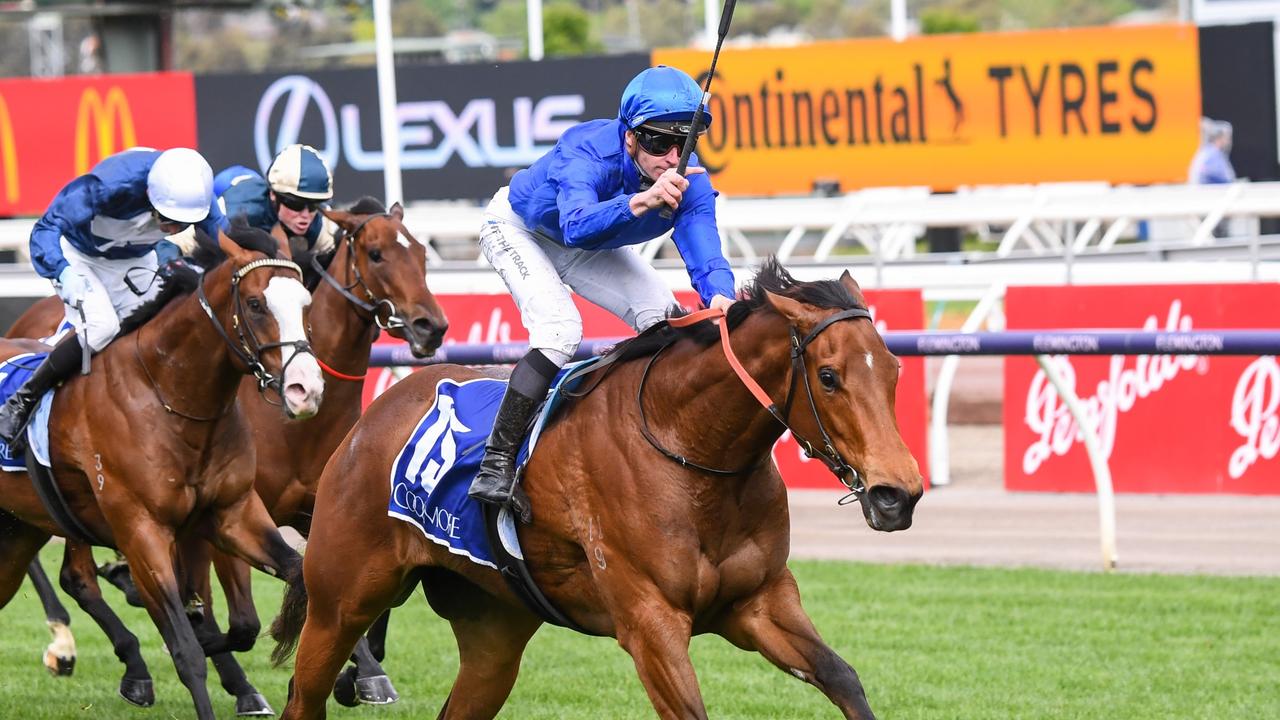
(433,471)
(14,372)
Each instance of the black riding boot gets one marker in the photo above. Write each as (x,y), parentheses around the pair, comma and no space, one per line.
(62,361)
(496,482)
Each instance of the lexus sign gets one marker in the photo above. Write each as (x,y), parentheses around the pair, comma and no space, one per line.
(463,128)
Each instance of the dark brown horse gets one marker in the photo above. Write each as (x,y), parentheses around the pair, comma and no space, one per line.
(600,492)
(376,279)
(150,449)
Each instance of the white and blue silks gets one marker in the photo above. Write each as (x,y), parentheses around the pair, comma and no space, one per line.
(107,214)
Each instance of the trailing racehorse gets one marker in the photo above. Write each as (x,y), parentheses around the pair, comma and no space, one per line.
(150,449)
(375,279)
(675,433)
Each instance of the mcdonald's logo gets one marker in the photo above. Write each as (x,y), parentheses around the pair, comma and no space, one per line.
(104,117)
(8,154)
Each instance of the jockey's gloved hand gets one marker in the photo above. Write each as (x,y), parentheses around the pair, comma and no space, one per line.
(72,287)
(179,268)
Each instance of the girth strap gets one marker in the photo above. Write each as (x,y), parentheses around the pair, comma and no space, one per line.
(516,573)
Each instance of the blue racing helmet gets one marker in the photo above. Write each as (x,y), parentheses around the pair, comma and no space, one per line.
(662,98)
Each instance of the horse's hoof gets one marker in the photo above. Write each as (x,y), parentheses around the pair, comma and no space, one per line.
(138,692)
(59,666)
(253,705)
(117,573)
(376,690)
(344,690)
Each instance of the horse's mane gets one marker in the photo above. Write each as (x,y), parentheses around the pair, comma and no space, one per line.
(771,277)
(182,281)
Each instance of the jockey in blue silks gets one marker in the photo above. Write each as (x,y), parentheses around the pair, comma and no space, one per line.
(568,219)
(101,228)
(297,186)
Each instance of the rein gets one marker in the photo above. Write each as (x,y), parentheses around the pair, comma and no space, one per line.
(374,304)
(249,350)
(394,321)
(835,462)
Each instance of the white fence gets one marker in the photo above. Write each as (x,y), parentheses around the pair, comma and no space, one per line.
(1053,218)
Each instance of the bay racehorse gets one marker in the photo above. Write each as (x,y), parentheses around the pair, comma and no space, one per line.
(672,436)
(150,449)
(376,279)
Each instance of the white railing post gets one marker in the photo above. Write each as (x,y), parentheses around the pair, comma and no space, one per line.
(1101,472)
(939,442)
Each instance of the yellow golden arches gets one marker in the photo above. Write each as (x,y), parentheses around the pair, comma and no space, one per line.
(104,116)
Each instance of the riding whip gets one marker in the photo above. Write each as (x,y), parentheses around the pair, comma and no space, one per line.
(691,139)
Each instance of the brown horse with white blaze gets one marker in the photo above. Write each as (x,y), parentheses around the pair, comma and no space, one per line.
(673,435)
(376,280)
(150,448)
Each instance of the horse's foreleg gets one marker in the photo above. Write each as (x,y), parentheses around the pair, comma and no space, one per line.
(233,575)
(79,579)
(657,637)
(773,623)
(352,577)
(245,529)
(490,645)
(147,545)
(60,655)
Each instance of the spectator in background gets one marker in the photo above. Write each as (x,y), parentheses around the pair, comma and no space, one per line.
(1212,162)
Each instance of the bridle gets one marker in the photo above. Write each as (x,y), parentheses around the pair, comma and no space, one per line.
(827,453)
(373,304)
(249,350)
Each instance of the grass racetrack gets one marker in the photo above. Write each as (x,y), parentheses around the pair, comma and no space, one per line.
(928,642)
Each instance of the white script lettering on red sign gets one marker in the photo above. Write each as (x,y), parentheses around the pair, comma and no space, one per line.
(1166,423)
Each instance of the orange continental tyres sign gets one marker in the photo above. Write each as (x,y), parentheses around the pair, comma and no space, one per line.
(1120,104)
(52,131)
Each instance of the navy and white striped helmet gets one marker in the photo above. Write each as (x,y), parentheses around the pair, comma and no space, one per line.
(300,171)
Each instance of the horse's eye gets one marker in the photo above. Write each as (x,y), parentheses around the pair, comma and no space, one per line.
(375,255)
(828,378)
(254,304)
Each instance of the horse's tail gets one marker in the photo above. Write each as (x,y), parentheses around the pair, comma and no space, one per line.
(287,626)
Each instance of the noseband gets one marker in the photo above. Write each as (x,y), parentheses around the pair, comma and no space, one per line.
(828,454)
(374,304)
(249,350)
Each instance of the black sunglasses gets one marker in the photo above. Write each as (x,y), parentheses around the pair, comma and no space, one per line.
(162,220)
(298,204)
(658,143)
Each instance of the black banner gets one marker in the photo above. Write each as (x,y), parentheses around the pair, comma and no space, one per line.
(1237,84)
(464,129)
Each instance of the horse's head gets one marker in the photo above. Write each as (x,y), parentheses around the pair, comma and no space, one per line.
(265,328)
(389,268)
(843,386)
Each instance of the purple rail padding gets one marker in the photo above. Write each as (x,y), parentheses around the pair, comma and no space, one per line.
(1021,342)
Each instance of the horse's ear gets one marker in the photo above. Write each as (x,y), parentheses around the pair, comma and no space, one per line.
(282,242)
(231,248)
(852,286)
(345,220)
(793,310)
(397,211)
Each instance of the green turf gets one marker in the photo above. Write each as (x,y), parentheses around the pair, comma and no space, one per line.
(928,643)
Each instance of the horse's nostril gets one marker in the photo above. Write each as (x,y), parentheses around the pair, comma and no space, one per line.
(888,499)
(423,327)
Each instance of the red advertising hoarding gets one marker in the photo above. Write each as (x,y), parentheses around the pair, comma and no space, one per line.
(1167,423)
(52,130)
(494,319)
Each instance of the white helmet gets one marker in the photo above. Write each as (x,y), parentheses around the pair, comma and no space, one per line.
(180,185)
